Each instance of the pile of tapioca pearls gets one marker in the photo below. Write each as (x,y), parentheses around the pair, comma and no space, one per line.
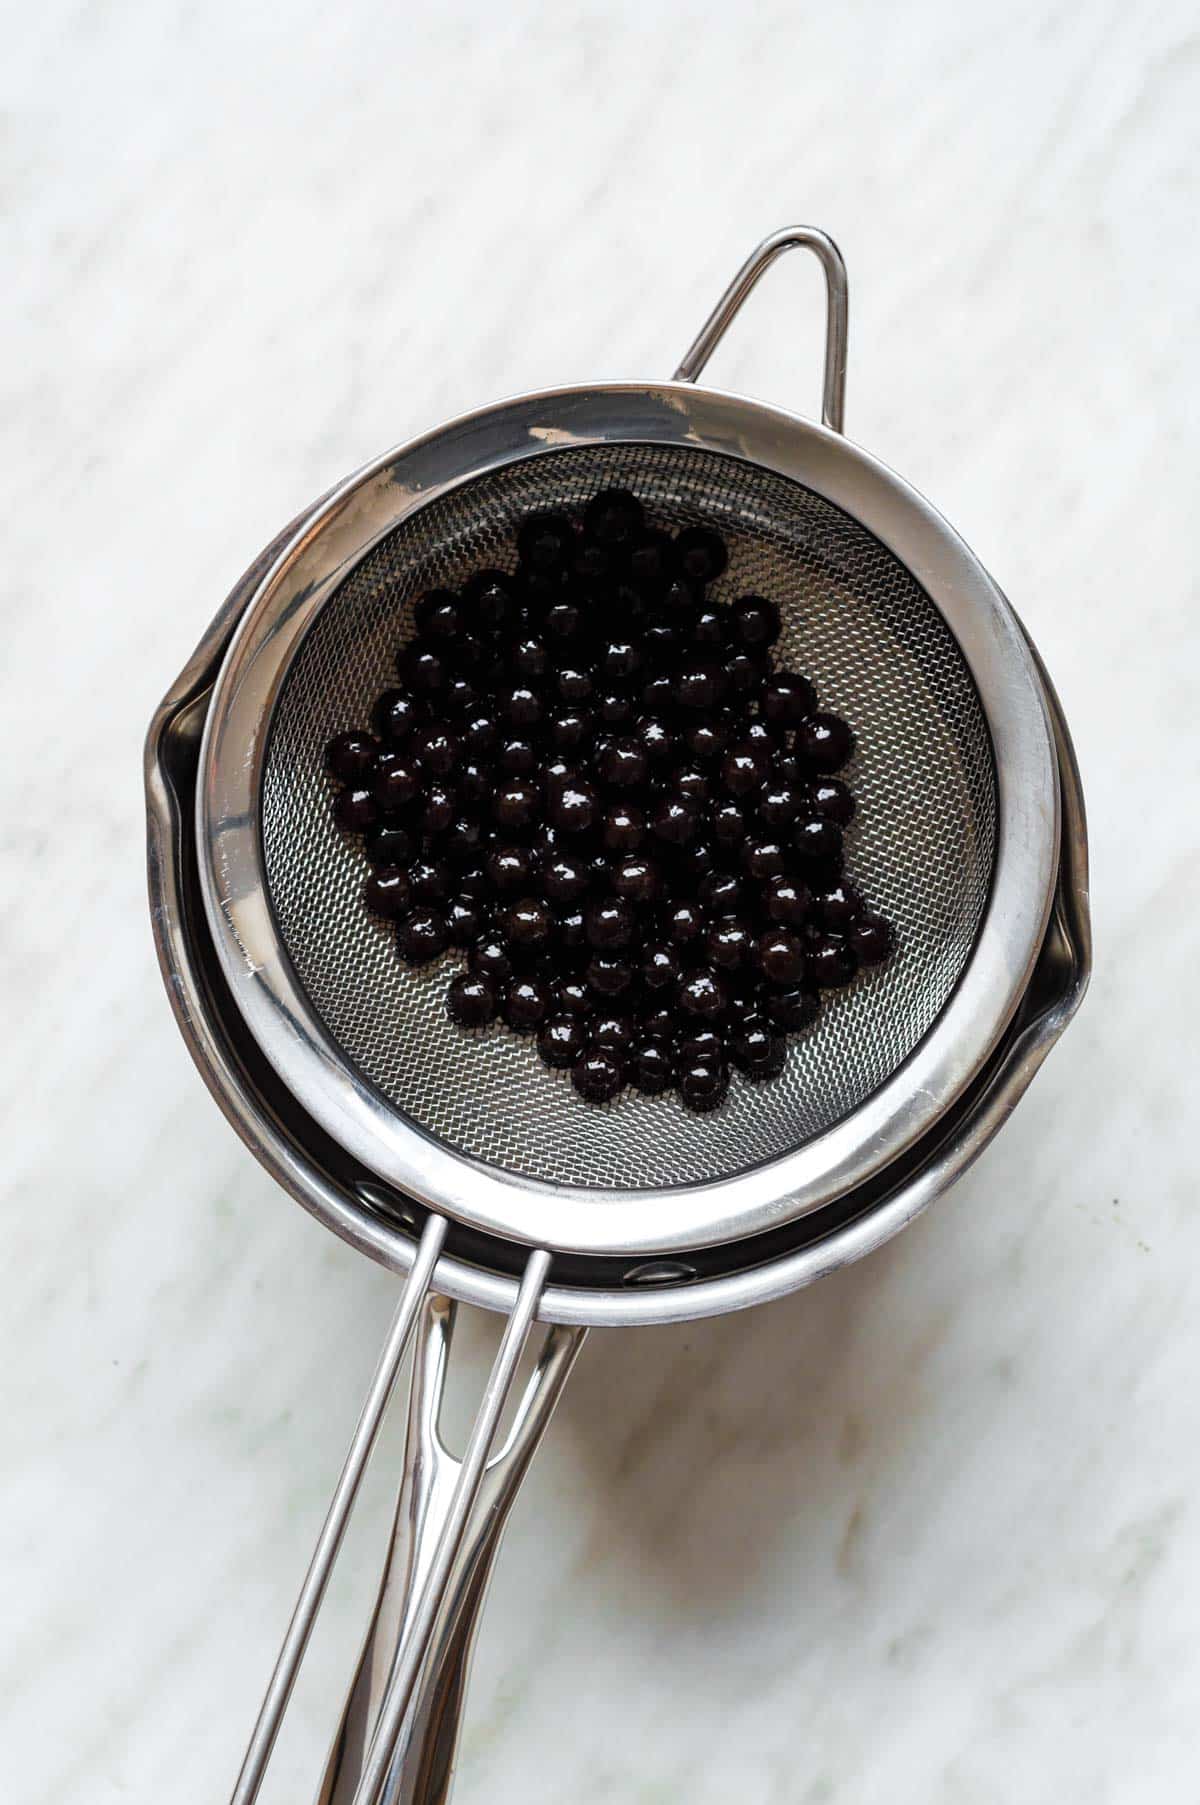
(594,780)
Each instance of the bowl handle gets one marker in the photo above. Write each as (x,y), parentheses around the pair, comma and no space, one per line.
(809,238)
(399,1730)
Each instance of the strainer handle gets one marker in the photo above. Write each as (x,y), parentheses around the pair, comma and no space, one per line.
(453,1513)
(421,1766)
(809,238)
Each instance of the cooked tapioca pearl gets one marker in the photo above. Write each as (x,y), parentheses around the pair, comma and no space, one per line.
(461,697)
(570,936)
(746,1006)
(466,919)
(787,698)
(441,807)
(527,922)
(545,541)
(755,621)
(516,805)
(686,924)
(572,806)
(703,1085)
(658,695)
(758,1052)
(395,715)
(600,873)
(521,706)
(490,598)
(700,685)
(431,879)
(712,628)
(780,956)
(529,658)
(473,882)
(616,710)
(872,938)
(435,749)
(746,673)
(510,868)
(422,936)
(564,624)
(728,825)
(524,1004)
(652,562)
(571,729)
(830,797)
(610,924)
(575,683)
(693,863)
(818,842)
(744,769)
(471,1001)
(655,738)
(355,809)
(675,820)
(690,780)
(840,905)
(720,893)
(564,878)
(598,1075)
(825,741)
(658,1023)
(779,804)
(561,1040)
(786,901)
(475,784)
(793,1008)
(480,731)
(423,669)
(467,655)
(708,739)
(831,962)
(395,780)
(728,944)
(623,765)
(439,616)
(614,518)
(616,1032)
(517,756)
(636,879)
(388,843)
(619,660)
(610,974)
(763,858)
(571,996)
(623,828)
(388,891)
(698,1040)
(463,841)
(652,1066)
(702,554)
(660,968)
(703,994)
(661,645)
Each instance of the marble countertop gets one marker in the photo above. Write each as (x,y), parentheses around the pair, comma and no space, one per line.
(927,1532)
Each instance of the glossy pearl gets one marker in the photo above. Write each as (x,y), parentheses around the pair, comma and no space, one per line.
(597,1075)
(422,936)
(872,938)
(561,1040)
(825,741)
(387,891)
(471,1001)
(703,1085)
(781,956)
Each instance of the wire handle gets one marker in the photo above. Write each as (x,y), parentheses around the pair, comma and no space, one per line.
(449,1522)
(422,1764)
(809,238)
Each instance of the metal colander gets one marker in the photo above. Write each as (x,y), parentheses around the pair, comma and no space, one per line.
(922,844)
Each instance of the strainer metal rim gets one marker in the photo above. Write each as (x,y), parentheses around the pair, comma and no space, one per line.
(277,1010)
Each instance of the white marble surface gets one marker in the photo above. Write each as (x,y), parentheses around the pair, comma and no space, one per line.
(926,1533)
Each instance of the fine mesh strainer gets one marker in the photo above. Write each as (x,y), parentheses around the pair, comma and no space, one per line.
(463,1160)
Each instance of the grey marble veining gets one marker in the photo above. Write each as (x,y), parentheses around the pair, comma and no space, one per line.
(926,1532)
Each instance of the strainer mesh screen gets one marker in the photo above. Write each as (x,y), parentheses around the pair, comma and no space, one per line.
(922,845)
